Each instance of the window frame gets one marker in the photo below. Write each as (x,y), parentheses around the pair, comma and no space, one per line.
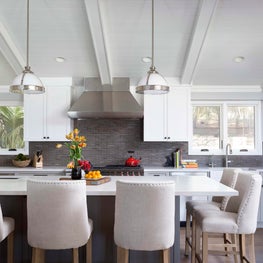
(223,128)
(24,150)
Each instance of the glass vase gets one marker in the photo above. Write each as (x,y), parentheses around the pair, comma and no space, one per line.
(76,173)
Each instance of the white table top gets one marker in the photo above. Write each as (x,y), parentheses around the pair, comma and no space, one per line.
(184,185)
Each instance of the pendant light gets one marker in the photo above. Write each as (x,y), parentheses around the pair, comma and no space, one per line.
(153,83)
(27,82)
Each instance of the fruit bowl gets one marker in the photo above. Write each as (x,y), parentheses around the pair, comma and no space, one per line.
(21,164)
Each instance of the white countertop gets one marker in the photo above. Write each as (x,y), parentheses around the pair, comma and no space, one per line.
(61,169)
(185,185)
(13,169)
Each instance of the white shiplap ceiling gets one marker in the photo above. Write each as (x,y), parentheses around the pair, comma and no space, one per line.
(195,41)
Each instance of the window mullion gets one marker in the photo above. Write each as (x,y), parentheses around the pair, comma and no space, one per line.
(224,126)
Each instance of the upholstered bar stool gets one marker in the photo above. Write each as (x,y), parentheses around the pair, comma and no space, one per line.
(7,227)
(240,217)
(144,218)
(58,217)
(229,178)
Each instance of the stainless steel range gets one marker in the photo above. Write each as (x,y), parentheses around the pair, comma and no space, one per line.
(120,170)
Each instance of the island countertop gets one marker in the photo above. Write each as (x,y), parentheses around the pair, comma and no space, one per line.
(184,185)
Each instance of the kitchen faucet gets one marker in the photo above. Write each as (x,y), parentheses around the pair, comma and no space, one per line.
(228,151)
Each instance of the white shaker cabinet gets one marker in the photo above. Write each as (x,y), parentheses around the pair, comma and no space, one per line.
(166,117)
(45,115)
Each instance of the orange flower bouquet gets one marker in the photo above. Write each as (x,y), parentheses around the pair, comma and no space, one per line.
(75,145)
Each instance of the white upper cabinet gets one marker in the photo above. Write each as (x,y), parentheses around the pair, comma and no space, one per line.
(45,115)
(166,117)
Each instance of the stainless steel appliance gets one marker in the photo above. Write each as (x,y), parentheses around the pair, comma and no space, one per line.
(121,170)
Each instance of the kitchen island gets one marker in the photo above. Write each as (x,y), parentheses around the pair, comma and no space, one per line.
(101,201)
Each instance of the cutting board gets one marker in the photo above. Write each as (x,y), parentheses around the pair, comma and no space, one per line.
(92,181)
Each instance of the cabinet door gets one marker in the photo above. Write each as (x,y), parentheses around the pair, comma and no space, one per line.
(166,116)
(46,115)
(34,114)
(154,122)
(178,107)
(58,123)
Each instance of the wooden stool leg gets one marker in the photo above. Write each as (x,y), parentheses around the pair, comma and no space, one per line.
(242,247)
(89,251)
(234,241)
(226,241)
(122,255)
(252,249)
(33,255)
(75,255)
(38,255)
(197,244)
(10,248)
(193,251)
(187,233)
(205,247)
(166,255)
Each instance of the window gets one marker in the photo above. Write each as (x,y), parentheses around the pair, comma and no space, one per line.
(215,124)
(12,129)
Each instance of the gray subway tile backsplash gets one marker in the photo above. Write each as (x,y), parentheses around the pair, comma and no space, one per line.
(109,140)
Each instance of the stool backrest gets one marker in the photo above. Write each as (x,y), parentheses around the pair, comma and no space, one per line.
(57,214)
(144,215)
(246,204)
(229,178)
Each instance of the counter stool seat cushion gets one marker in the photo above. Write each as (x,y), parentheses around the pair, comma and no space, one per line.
(193,205)
(217,221)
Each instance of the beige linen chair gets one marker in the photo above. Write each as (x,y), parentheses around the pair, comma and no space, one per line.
(240,217)
(58,217)
(144,217)
(229,178)
(7,227)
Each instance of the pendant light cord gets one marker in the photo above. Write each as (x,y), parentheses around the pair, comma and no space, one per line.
(152,66)
(27,38)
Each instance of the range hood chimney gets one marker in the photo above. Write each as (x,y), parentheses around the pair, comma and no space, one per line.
(106,103)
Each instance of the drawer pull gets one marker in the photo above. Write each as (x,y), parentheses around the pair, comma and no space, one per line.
(204,150)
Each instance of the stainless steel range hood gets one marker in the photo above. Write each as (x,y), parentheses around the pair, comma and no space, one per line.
(106,104)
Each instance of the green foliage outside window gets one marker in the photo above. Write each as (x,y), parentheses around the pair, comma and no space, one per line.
(11,127)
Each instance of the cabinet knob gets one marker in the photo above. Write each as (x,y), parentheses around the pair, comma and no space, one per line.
(44,137)
(47,137)
(165,137)
(169,137)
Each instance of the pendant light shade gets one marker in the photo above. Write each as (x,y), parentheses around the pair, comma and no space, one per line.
(153,83)
(27,82)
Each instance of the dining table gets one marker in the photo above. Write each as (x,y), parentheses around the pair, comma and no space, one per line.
(185,186)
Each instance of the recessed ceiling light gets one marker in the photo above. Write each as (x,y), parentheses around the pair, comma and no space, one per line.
(146,59)
(239,59)
(60,59)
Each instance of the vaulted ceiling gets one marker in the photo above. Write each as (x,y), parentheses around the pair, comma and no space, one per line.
(196,42)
